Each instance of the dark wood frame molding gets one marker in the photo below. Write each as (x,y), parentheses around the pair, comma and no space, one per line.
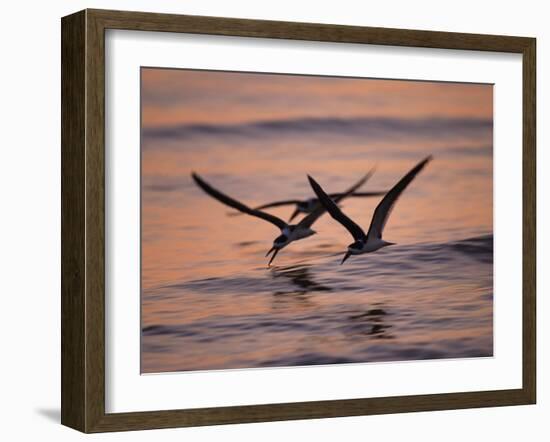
(83,217)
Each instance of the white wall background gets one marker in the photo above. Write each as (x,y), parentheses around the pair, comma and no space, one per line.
(30,217)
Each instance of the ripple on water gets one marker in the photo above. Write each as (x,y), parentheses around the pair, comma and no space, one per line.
(415,302)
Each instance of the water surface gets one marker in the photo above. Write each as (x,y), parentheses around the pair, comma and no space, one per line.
(209,301)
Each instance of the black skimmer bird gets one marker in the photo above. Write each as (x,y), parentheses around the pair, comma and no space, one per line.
(289,232)
(372,241)
(310,204)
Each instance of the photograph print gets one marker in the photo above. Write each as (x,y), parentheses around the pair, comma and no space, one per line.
(297,220)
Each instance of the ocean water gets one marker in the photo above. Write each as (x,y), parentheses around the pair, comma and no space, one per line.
(209,300)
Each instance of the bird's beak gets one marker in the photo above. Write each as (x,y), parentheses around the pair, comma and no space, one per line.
(275,250)
(346,256)
(294,214)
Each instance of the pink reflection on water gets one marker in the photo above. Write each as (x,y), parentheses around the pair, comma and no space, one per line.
(204,274)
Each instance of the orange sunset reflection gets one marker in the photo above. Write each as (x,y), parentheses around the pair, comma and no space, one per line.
(209,301)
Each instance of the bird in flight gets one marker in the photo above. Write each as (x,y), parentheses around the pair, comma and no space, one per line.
(289,232)
(310,204)
(372,241)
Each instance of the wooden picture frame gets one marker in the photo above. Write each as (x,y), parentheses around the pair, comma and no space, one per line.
(83,220)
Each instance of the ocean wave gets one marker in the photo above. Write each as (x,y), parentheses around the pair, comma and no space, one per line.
(479,248)
(372,126)
(305,277)
(415,302)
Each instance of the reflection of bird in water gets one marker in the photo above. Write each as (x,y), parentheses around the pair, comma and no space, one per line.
(301,277)
(372,241)
(289,232)
(310,204)
(372,323)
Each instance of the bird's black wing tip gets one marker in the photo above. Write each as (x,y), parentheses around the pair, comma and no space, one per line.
(312,180)
(424,162)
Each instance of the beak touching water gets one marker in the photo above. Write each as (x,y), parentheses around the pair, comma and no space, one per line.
(346,256)
(275,250)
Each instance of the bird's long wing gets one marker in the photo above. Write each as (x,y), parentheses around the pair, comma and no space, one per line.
(221,197)
(277,204)
(332,195)
(358,194)
(273,204)
(335,211)
(330,205)
(384,208)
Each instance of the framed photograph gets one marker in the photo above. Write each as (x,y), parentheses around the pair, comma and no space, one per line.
(267,221)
